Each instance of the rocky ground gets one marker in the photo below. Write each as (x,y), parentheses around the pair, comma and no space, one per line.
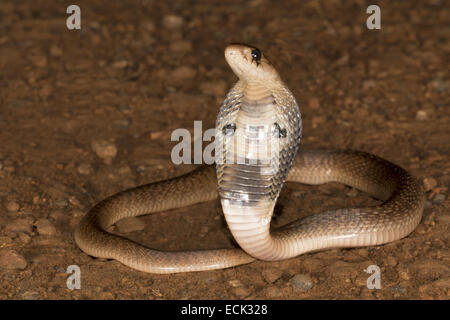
(87,113)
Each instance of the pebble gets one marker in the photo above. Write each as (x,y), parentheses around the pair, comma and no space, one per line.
(45,227)
(23,237)
(241,292)
(46,91)
(398,290)
(391,261)
(104,149)
(30,295)
(318,121)
(438,199)
(55,51)
(272,292)
(421,115)
(106,296)
(404,274)
(235,283)
(429,183)
(271,274)
(442,283)
(5,240)
(10,259)
(120,64)
(130,224)
(39,60)
(59,216)
(85,169)
(12,206)
(173,21)
(20,225)
(302,282)
(183,73)
(181,46)
(314,103)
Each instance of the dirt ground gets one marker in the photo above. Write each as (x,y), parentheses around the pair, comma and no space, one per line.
(69,99)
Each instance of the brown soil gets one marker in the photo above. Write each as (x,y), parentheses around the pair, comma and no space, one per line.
(139,69)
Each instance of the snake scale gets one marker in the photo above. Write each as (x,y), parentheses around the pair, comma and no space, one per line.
(258,130)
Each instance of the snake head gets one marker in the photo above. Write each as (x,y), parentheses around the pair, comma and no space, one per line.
(249,64)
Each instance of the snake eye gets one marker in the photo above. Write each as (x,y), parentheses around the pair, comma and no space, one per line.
(229,129)
(256,55)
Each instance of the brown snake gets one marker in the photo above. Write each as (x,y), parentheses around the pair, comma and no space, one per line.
(259,130)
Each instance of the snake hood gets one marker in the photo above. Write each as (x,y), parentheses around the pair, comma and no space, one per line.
(258,130)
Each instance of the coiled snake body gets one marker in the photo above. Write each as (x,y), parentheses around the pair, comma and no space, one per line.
(258,131)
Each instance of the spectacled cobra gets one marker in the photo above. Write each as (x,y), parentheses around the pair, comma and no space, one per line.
(258,130)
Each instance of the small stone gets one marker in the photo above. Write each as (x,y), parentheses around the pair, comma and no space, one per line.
(23,237)
(438,199)
(183,73)
(203,231)
(271,274)
(235,283)
(368,84)
(106,296)
(122,123)
(39,60)
(5,240)
(85,169)
(318,121)
(157,135)
(173,21)
(149,26)
(121,64)
(399,290)
(12,206)
(45,227)
(404,274)
(20,225)
(421,115)
(55,51)
(130,224)
(391,261)
(59,216)
(181,46)
(36,199)
(302,282)
(429,183)
(30,295)
(314,103)
(46,91)
(241,292)
(442,283)
(104,149)
(272,292)
(10,259)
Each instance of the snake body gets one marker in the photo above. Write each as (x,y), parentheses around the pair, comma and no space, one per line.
(258,130)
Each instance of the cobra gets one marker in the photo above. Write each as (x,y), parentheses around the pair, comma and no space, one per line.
(258,132)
